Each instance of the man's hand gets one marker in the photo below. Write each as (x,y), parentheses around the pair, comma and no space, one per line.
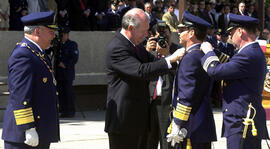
(151,44)
(62,65)
(177,55)
(206,47)
(31,137)
(177,135)
(163,51)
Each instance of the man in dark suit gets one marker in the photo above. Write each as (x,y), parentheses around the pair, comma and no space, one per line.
(129,69)
(192,115)
(161,93)
(243,79)
(31,118)
(65,73)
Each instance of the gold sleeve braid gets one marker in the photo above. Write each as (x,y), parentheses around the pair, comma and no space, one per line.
(24,116)
(223,58)
(182,112)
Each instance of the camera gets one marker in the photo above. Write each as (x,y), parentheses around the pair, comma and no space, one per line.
(162,38)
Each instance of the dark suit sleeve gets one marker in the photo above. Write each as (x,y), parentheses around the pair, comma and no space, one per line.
(20,82)
(126,63)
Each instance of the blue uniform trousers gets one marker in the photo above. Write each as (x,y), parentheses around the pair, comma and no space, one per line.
(233,142)
(194,145)
(13,145)
(66,97)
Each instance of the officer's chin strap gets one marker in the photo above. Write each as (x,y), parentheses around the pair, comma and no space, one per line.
(248,121)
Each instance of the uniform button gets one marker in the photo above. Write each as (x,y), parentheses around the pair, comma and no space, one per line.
(38,117)
(57,93)
(177,98)
(212,65)
(226,110)
(45,79)
(25,103)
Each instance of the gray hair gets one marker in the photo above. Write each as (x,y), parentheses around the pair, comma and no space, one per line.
(132,18)
(29,29)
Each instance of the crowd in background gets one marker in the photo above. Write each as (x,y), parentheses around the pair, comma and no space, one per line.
(106,15)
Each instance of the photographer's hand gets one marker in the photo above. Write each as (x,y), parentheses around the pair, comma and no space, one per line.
(163,51)
(151,44)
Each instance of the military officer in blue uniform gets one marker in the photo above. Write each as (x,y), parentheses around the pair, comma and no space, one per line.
(192,114)
(65,73)
(225,47)
(243,77)
(113,16)
(31,117)
(18,9)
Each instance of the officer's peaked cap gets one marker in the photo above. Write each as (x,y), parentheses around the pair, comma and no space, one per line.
(241,21)
(47,19)
(189,20)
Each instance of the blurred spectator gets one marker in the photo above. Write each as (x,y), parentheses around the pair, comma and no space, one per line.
(267,17)
(65,73)
(223,19)
(18,9)
(113,16)
(101,7)
(148,12)
(78,12)
(4,15)
(170,18)
(242,9)
(158,7)
(140,4)
(234,10)
(129,5)
(52,5)
(202,12)
(251,11)
(194,9)
(265,35)
(37,6)
(210,17)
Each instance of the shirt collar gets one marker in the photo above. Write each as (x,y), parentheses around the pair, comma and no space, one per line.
(122,32)
(192,46)
(42,51)
(246,45)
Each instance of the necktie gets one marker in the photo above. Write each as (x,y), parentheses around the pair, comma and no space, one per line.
(82,5)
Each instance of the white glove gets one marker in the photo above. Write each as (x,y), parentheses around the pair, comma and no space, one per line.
(31,137)
(177,55)
(206,47)
(177,135)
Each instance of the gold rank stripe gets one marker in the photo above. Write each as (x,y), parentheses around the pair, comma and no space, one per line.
(24,116)
(181,116)
(184,107)
(182,112)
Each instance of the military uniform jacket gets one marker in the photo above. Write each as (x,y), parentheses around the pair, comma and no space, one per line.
(33,97)
(128,74)
(226,48)
(69,55)
(244,76)
(191,98)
